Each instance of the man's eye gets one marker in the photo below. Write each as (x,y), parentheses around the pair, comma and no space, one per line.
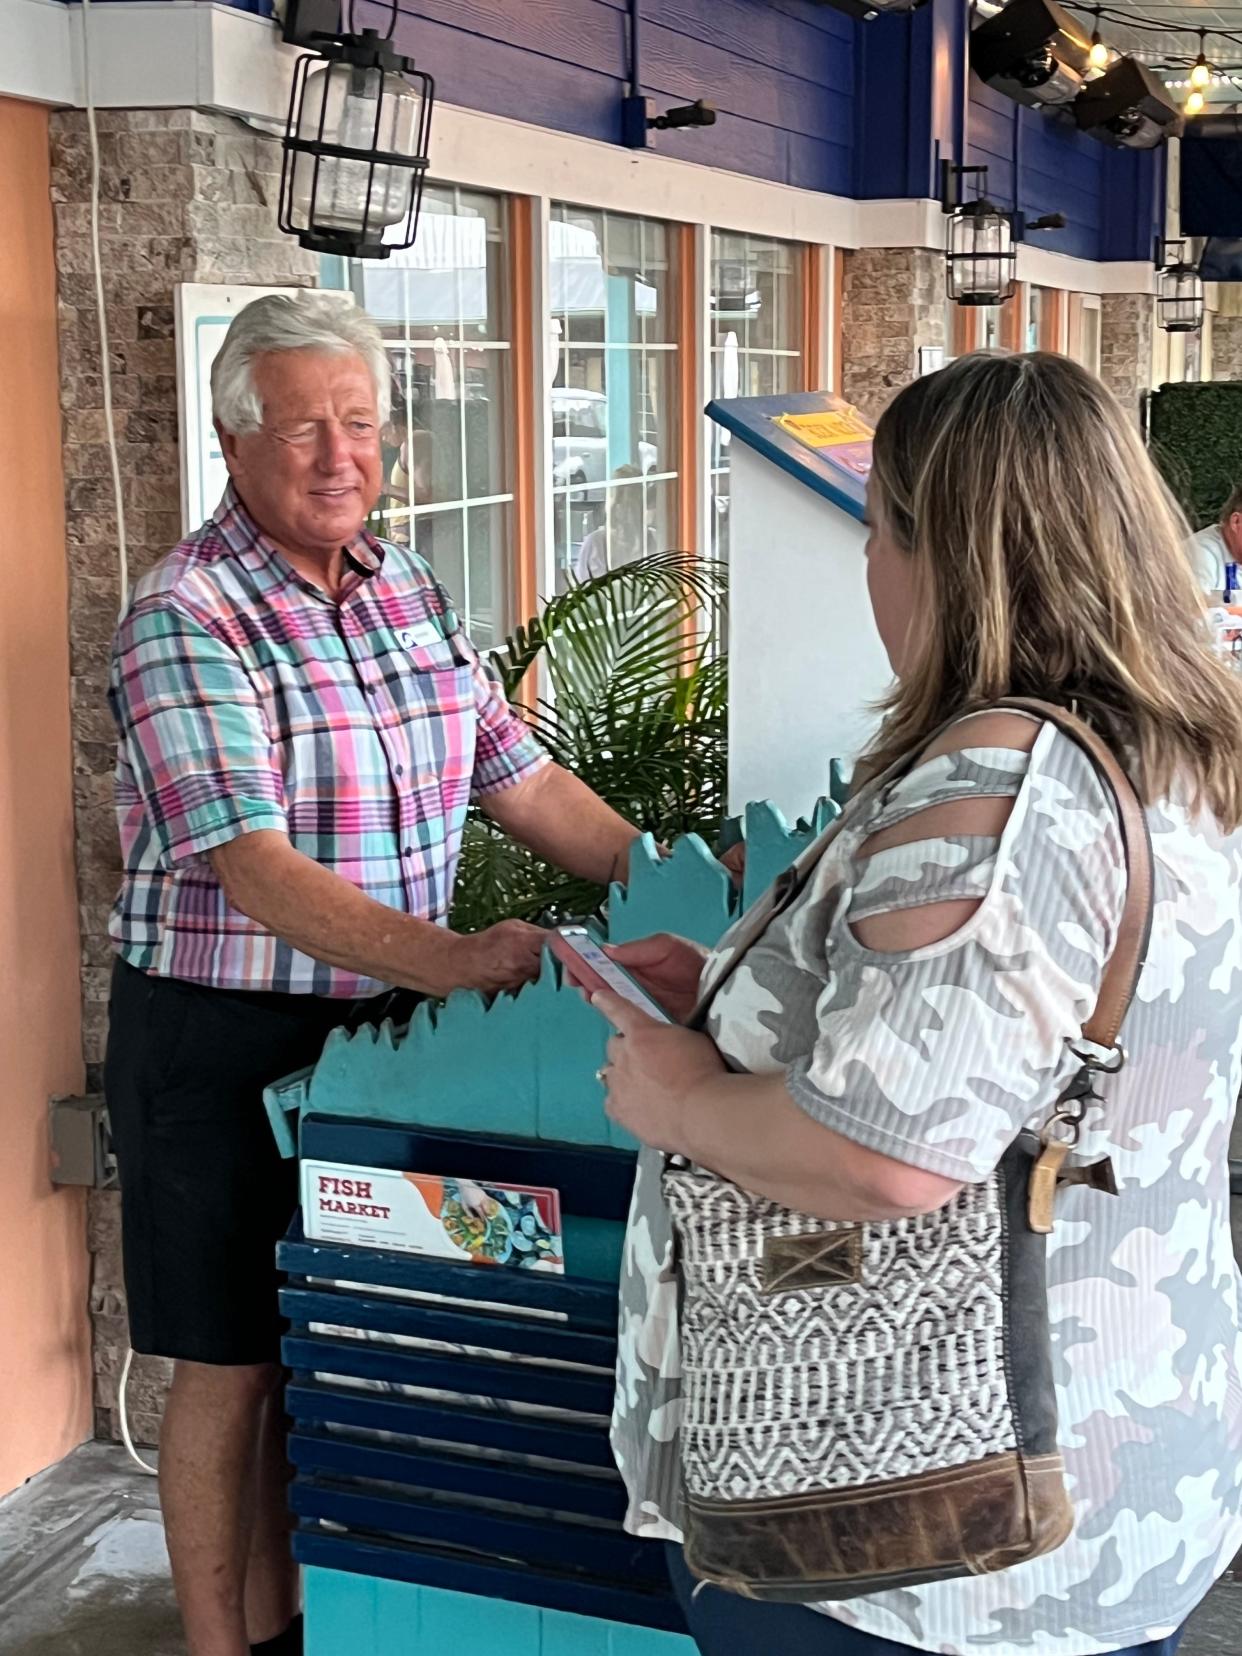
(360,428)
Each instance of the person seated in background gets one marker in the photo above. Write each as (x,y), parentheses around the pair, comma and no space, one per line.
(627,537)
(1217,545)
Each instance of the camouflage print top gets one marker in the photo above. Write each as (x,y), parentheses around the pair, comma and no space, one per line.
(937,1057)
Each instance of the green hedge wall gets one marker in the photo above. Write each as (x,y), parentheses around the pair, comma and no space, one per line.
(1196,440)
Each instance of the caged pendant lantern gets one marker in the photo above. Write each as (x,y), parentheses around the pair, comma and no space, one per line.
(1179,291)
(355,148)
(981,261)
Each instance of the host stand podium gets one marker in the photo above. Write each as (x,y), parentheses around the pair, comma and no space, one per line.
(806,665)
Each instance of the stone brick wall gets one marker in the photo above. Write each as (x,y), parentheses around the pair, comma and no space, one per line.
(892,302)
(1227,347)
(1126,323)
(186,196)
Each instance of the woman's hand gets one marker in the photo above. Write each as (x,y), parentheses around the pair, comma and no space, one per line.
(667,967)
(653,1069)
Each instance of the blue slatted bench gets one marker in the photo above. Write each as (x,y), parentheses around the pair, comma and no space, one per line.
(396,1507)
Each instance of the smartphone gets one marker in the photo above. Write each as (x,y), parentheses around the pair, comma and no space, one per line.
(574,946)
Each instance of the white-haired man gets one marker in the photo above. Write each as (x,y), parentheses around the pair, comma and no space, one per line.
(302,723)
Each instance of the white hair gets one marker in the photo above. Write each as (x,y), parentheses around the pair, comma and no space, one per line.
(310,322)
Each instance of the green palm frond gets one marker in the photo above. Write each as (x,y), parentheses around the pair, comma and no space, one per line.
(637,709)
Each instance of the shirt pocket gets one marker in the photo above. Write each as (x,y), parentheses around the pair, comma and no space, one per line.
(432,685)
(439,655)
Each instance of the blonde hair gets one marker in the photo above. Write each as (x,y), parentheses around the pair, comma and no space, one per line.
(1051,561)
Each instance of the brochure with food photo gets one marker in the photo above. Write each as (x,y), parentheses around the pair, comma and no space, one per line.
(453,1218)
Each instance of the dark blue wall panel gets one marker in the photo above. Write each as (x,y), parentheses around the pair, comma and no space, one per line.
(780,72)
(805,96)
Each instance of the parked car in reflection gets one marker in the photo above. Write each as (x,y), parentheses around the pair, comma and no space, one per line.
(580,441)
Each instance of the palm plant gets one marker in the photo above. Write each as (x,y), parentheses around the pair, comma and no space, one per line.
(635,705)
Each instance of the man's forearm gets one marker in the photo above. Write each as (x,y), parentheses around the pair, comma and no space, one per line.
(558,817)
(322,915)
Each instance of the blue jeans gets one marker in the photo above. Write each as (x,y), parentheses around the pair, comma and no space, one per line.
(724,1625)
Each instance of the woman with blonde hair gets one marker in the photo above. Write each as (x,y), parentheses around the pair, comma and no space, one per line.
(893,1030)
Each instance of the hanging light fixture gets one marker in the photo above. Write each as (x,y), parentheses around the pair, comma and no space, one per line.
(1179,290)
(355,147)
(981,262)
(1194,103)
(1097,57)
(1201,74)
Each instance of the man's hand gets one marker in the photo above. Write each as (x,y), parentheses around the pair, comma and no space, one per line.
(329,919)
(504,956)
(667,967)
(734,859)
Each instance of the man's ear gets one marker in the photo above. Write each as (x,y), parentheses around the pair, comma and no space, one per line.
(228,443)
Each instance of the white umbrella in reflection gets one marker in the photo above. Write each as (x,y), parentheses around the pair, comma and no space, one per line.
(552,349)
(446,381)
(730,367)
(730,375)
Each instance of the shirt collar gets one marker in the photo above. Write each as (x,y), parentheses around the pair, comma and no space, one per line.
(258,553)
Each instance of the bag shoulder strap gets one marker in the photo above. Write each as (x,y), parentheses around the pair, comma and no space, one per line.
(1121,973)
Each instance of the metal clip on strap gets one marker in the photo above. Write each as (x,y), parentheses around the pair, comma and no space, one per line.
(1121,974)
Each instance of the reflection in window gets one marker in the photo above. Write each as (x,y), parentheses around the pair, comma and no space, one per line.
(1090,342)
(613,360)
(443,308)
(756,341)
(1036,305)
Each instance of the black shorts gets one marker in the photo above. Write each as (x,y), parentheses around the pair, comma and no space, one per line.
(205,1195)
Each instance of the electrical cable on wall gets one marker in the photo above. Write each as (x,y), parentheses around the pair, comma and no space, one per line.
(102,311)
(92,130)
(126,1439)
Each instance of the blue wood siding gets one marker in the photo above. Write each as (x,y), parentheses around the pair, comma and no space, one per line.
(780,72)
(805,96)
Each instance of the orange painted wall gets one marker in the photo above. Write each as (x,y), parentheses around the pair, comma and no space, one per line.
(45,1392)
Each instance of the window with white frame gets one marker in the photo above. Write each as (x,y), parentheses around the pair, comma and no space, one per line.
(443,309)
(614,364)
(756,326)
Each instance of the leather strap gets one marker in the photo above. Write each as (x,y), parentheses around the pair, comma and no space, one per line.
(1121,974)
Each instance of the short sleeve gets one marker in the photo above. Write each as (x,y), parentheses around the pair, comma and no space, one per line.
(939,1056)
(506,751)
(192,733)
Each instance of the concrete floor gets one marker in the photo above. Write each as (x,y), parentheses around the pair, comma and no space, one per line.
(83,1567)
(84,1570)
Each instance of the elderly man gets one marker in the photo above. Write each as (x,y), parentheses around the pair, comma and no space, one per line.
(302,724)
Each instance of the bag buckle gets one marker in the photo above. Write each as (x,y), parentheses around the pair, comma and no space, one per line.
(1063,1130)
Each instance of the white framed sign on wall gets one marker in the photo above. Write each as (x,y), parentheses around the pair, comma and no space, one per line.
(204,311)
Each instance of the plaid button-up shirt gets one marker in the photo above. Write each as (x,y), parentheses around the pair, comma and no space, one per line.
(245,698)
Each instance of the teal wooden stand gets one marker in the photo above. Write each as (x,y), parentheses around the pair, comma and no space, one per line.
(397,1512)
(354,1615)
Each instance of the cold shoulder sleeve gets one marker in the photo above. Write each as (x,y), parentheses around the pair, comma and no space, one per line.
(939,1055)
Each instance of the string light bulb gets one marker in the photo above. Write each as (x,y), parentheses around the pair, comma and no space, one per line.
(1194,102)
(1098,55)
(1201,74)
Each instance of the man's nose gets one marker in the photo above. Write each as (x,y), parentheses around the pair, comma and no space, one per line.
(333,452)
